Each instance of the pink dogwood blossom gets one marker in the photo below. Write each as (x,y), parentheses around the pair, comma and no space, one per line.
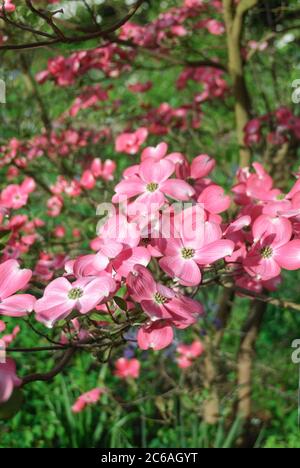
(61,297)
(188,353)
(160,302)
(153,184)
(88,398)
(157,335)
(130,143)
(13,279)
(127,368)
(8,379)
(184,253)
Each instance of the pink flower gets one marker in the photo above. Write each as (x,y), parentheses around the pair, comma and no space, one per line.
(12,279)
(88,398)
(140,87)
(61,297)
(214,199)
(153,185)
(273,249)
(9,338)
(9,7)
(130,143)
(188,353)
(8,380)
(14,197)
(59,232)
(157,336)
(104,170)
(54,205)
(185,252)
(127,368)
(87,180)
(160,302)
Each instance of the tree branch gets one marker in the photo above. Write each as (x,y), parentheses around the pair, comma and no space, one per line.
(54,372)
(60,37)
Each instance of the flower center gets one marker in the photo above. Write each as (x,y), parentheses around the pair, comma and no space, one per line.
(159,299)
(266,252)
(281,197)
(187,254)
(191,181)
(75,293)
(152,187)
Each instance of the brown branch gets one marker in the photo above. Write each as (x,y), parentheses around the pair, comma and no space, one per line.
(36,93)
(285,304)
(250,332)
(61,38)
(54,372)
(48,17)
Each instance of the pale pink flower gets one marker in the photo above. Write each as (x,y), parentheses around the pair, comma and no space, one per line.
(153,185)
(61,297)
(8,380)
(13,279)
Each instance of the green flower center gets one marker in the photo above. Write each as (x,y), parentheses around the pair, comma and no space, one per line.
(266,252)
(281,197)
(75,293)
(152,187)
(159,299)
(187,254)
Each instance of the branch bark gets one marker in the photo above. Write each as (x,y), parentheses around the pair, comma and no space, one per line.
(65,360)
(250,332)
(234,22)
(59,37)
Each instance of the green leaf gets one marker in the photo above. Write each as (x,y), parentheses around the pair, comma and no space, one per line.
(4,237)
(121,303)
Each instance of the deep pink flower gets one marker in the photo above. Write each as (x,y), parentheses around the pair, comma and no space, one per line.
(158,335)
(273,249)
(88,398)
(160,302)
(130,143)
(14,197)
(87,180)
(9,7)
(214,199)
(127,368)
(186,251)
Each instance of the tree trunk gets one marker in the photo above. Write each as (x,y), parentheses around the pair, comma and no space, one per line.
(246,353)
(234,22)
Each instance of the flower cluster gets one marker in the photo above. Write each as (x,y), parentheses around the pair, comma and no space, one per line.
(280,126)
(166,231)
